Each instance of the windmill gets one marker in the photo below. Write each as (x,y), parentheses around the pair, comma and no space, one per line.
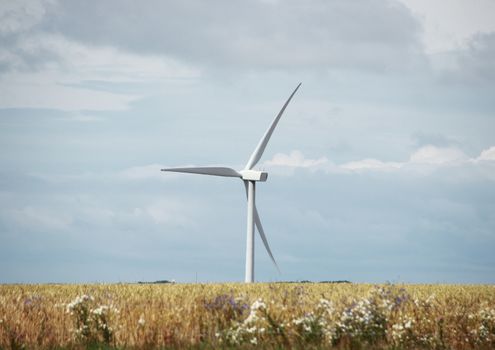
(249,177)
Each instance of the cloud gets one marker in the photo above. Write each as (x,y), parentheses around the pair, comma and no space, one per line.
(487,155)
(132,83)
(438,155)
(44,90)
(295,160)
(21,15)
(363,34)
(51,71)
(478,61)
(472,64)
(371,164)
(424,159)
(445,32)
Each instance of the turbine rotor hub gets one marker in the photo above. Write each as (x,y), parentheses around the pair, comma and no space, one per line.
(253,175)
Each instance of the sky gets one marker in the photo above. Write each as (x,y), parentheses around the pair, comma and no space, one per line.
(382,168)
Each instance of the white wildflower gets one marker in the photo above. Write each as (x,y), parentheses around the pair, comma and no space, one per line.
(77,301)
(100,310)
(253,317)
(251,330)
(298,321)
(258,304)
(401,330)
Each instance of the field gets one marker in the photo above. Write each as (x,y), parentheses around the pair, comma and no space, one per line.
(271,316)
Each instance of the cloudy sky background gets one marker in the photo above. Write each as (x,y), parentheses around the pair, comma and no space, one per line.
(382,168)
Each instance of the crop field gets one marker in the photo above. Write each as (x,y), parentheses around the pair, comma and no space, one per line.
(268,316)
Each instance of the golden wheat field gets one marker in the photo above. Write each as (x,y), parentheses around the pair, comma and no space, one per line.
(270,316)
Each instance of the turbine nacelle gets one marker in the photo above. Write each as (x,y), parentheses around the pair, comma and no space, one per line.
(253,175)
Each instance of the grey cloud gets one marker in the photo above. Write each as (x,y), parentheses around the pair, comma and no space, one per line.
(21,15)
(472,65)
(478,62)
(26,54)
(18,21)
(372,34)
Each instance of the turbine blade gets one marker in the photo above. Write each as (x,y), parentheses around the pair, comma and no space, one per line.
(258,152)
(261,231)
(263,236)
(216,171)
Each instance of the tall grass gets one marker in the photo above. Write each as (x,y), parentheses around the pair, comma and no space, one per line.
(273,316)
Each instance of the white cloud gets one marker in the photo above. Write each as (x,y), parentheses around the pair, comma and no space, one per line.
(438,155)
(487,155)
(285,164)
(371,164)
(424,160)
(295,160)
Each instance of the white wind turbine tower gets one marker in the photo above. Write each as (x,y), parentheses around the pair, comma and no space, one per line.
(249,177)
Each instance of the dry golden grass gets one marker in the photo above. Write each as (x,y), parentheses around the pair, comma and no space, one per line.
(248,316)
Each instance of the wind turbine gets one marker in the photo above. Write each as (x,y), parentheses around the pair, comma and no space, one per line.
(249,177)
